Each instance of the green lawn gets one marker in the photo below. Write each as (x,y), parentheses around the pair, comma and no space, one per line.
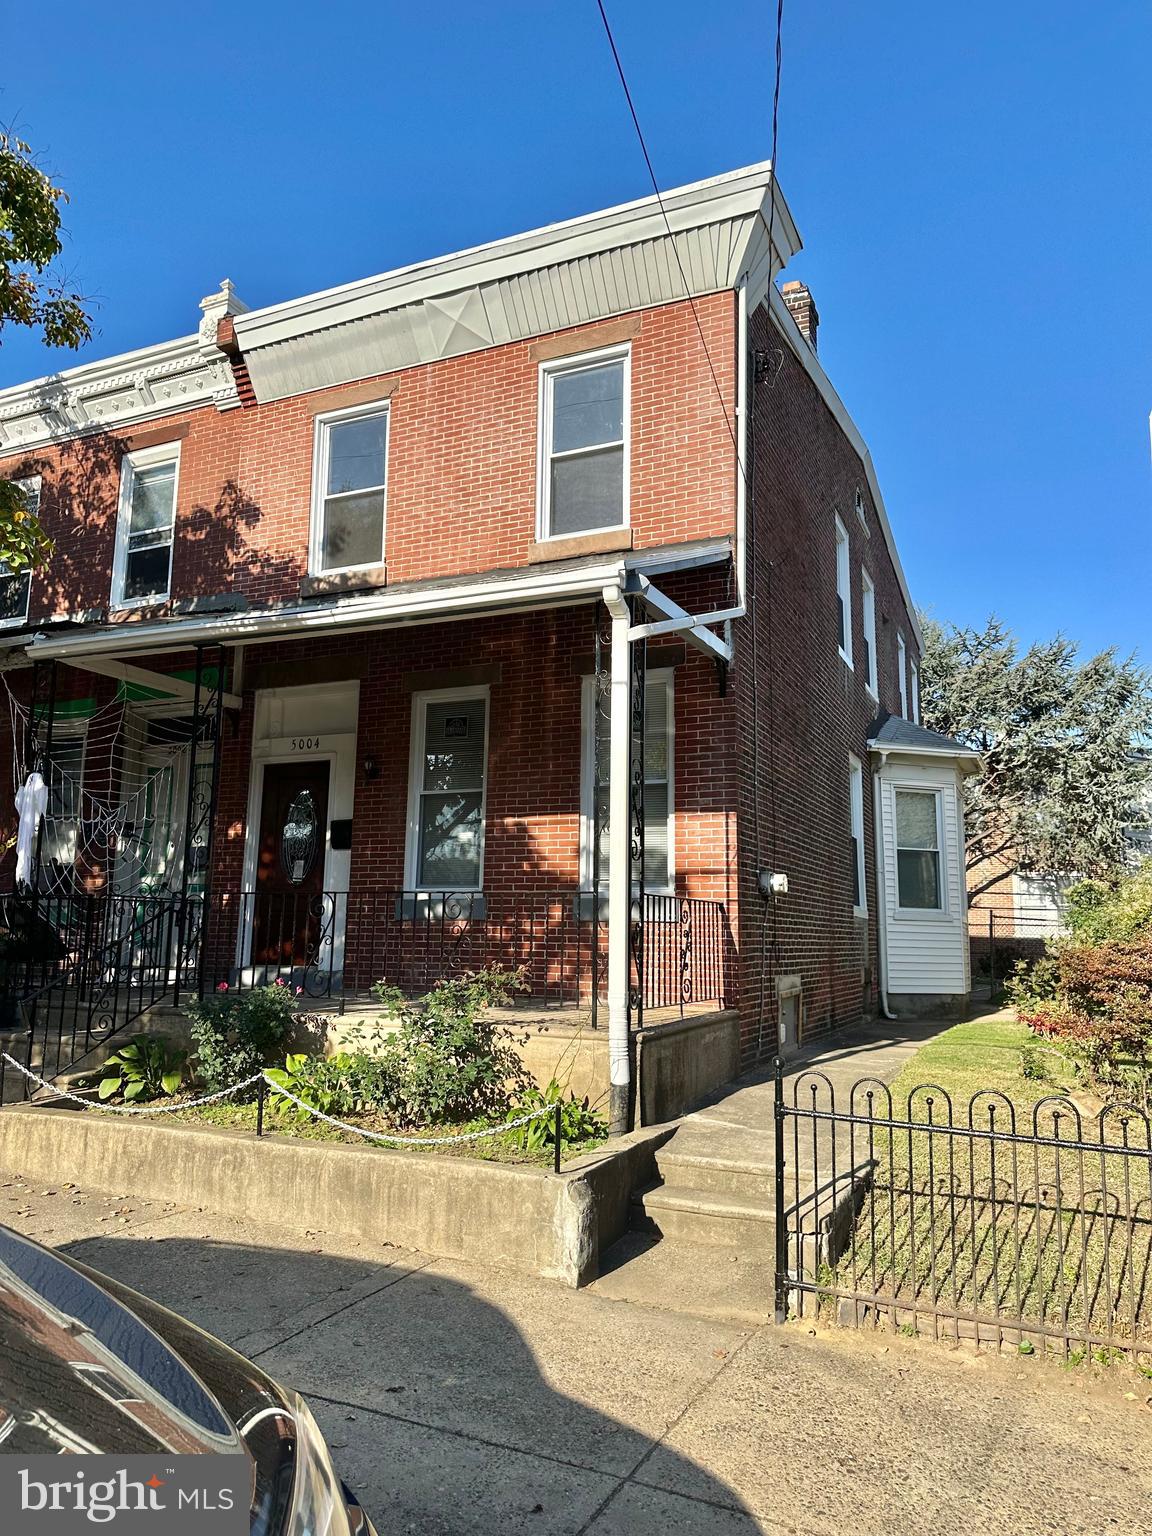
(1057,1235)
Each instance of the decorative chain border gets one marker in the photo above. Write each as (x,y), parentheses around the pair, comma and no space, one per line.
(318,1114)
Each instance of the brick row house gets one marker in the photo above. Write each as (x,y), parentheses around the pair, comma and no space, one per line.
(535,605)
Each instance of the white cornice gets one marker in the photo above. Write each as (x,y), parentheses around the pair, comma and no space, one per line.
(120,391)
(590,268)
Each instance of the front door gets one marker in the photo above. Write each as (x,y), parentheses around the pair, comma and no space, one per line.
(289,902)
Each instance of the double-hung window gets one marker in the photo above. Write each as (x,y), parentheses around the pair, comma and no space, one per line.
(64,776)
(902,673)
(349,485)
(918,872)
(915,694)
(142,565)
(856,794)
(868,616)
(446,790)
(15,585)
(843,593)
(583,435)
(659,733)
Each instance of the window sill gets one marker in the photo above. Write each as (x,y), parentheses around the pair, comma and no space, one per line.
(846,659)
(362,579)
(921,915)
(142,605)
(604,542)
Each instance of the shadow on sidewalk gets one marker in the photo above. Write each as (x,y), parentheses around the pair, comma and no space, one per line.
(436,1409)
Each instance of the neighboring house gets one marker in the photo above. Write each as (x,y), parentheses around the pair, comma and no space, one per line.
(388,625)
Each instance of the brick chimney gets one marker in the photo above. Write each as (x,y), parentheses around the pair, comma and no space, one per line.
(802,309)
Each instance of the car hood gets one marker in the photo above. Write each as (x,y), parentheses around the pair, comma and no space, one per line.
(81,1372)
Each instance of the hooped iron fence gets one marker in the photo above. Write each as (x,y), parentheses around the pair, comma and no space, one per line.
(983,1221)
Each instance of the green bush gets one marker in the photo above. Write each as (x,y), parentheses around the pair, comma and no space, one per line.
(237,1033)
(447,1062)
(578,1121)
(1097,913)
(144,1068)
(349,1083)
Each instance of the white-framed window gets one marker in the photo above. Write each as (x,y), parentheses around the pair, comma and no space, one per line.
(856,794)
(64,777)
(843,592)
(915,694)
(919,872)
(15,585)
(583,436)
(861,512)
(659,755)
(868,615)
(349,489)
(446,790)
(902,672)
(142,564)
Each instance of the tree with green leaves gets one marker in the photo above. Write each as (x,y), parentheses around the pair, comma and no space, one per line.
(1065,745)
(31,296)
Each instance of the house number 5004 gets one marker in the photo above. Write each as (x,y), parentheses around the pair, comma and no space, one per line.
(305,743)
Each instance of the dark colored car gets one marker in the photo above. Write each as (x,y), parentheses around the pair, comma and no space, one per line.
(88,1365)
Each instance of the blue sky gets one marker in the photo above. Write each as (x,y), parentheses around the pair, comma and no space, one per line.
(970,182)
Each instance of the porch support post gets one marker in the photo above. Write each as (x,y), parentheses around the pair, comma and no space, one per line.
(42,716)
(619,863)
(199,816)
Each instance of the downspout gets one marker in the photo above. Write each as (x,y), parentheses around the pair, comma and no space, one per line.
(619,862)
(742,427)
(881,892)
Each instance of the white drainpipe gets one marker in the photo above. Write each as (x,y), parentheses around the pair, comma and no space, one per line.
(619,860)
(881,891)
(741,551)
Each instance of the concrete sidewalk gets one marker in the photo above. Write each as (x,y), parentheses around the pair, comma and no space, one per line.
(461,1400)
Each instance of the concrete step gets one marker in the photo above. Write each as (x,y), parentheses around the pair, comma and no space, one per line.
(683,1214)
(752,1181)
(727,1286)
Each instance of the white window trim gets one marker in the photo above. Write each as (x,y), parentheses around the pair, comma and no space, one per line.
(142,458)
(922,914)
(844,587)
(320,440)
(915,694)
(868,614)
(861,514)
(902,672)
(665,675)
(68,728)
(548,371)
(420,701)
(856,797)
(31,484)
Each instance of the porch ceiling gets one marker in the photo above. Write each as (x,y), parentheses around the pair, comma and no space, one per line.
(564,583)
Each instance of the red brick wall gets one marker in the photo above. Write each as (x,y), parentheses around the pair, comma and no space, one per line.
(461,470)
(809,710)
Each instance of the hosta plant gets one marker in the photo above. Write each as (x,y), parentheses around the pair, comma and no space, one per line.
(145,1068)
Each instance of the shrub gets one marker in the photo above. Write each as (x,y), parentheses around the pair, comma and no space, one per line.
(449,1063)
(578,1121)
(237,1033)
(349,1083)
(1097,913)
(144,1068)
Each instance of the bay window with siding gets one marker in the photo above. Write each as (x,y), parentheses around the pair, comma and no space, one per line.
(446,791)
(919,875)
(583,433)
(659,733)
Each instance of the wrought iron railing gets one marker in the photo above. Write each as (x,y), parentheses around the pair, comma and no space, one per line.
(1028,1226)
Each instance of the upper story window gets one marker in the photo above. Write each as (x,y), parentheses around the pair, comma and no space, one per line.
(843,592)
(583,444)
(14,586)
(915,694)
(856,792)
(659,720)
(349,490)
(861,512)
(918,874)
(868,614)
(142,566)
(902,672)
(446,790)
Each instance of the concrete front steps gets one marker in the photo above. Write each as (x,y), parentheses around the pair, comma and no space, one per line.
(703,1234)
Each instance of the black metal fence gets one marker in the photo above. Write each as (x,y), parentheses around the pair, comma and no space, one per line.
(1001,937)
(1027,1226)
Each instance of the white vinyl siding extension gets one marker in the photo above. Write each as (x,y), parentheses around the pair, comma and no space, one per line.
(927,950)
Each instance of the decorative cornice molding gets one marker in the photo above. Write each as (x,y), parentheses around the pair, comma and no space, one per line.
(119,391)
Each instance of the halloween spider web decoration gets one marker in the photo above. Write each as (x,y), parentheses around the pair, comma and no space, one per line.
(117,782)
